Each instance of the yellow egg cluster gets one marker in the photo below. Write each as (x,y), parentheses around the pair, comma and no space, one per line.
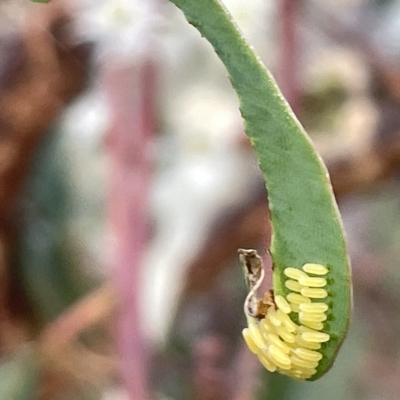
(283,345)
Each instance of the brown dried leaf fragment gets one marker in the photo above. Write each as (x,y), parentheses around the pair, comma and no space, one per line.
(253,268)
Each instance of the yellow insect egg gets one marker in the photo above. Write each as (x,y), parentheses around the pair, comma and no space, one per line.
(282,304)
(256,335)
(312,282)
(315,337)
(283,317)
(268,364)
(272,315)
(266,326)
(312,317)
(279,357)
(313,307)
(303,373)
(297,298)
(303,328)
(249,340)
(315,269)
(298,376)
(318,326)
(307,354)
(314,293)
(293,285)
(300,362)
(289,324)
(273,339)
(294,273)
(307,345)
(285,335)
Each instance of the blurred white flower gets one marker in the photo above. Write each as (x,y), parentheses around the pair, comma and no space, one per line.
(121,28)
(255,19)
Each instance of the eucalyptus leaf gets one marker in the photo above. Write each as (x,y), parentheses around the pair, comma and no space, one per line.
(304,216)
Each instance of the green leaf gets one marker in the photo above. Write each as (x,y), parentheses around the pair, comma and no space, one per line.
(305,220)
(40,1)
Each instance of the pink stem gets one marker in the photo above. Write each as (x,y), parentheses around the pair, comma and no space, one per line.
(131,94)
(288,75)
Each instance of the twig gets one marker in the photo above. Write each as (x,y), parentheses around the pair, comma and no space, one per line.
(92,309)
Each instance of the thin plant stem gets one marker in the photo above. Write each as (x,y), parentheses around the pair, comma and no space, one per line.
(288,76)
(131,92)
